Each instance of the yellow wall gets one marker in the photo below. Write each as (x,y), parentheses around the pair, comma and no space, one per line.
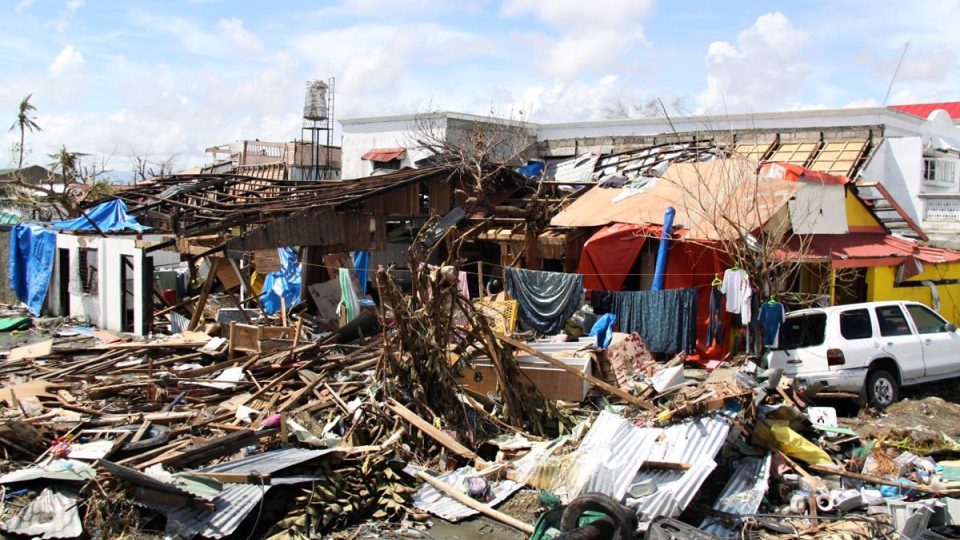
(858,217)
(880,281)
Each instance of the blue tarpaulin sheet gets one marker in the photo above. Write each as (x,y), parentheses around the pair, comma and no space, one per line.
(32,248)
(282,283)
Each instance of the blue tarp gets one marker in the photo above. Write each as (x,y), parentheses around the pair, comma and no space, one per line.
(603,330)
(32,248)
(284,282)
(361,263)
(31,263)
(532,169)
(110,216)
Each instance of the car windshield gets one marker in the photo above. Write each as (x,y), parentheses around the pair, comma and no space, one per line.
(802,331)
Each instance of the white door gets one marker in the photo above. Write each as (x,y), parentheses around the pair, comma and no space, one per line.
(940,347)
(897,339)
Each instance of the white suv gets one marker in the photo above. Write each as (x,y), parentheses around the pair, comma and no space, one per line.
(872,348)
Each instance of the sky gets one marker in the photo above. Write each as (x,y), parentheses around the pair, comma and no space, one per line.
(170,78)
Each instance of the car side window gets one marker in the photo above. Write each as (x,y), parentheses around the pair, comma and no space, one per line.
(926,320)
(892,321)
(855,324)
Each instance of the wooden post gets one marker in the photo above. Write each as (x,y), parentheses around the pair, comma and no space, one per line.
(481,290)
(476,505)
(207,285)
(833,285)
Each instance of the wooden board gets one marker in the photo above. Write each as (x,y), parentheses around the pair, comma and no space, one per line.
(33,350)
(553,382)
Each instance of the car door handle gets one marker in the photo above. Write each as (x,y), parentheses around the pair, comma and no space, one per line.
(889,344)
(794,361)
(927,341)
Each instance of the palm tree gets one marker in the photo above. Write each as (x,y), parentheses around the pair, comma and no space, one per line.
(25,122)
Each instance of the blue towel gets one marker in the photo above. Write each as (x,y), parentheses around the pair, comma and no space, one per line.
(546,299)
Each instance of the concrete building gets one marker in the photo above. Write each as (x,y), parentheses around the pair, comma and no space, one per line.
(911,150)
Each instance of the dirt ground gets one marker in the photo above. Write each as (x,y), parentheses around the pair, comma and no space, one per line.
(922,415)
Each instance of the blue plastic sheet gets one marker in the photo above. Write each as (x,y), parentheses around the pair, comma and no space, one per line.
(361,263)
(603,329)
(283,283)
(32,248)
(110,216)
(31,263)
(532,169)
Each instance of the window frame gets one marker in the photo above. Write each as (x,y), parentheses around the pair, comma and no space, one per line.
(934,314)
(940,167)
(865,312)
(880,320)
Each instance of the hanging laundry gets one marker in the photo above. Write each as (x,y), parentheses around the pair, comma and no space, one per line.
(771,317)
(463,286)
(348,295)
(546,299)
(736,286)
(601,301)
(715,323)
(665,320)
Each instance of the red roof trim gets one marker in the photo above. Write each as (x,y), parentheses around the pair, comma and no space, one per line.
(923,110)
(383,155)
(792,172)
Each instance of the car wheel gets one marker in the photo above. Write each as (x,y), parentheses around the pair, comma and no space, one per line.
(882,389)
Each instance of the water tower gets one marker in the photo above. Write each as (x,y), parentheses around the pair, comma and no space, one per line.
(318,120)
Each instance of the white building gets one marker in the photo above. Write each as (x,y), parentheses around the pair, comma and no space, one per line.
(911,150)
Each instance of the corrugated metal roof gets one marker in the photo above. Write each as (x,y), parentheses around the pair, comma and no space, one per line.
(742,495)
(577,169)
(269,462)
(852,246)
(691,441)
(429,499)
(233,504)
(384,154)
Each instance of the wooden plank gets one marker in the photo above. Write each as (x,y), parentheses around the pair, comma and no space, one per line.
(826,469)
(476,505)
(428,429)
(33,350)
(589,378)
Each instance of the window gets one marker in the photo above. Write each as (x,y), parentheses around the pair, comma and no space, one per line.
(939,171)
(88,270)
(892,321)
(802,331)
(392,165)
(855,324)
(926,320)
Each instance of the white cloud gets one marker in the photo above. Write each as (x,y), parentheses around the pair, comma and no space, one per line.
(580,15)
(23,5)
(587,36)
(760,72)
(73,5)
(234,30)
(68,61)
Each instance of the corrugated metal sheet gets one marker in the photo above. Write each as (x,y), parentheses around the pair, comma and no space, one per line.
(428,499)
(614,449)
(269,462)
(742,495)
(923,110)
(675,490)
(235,502)
(578,169)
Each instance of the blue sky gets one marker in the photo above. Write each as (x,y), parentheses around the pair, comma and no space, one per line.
(169,78)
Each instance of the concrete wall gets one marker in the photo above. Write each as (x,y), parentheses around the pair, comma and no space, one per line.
(104,308)
(898,165)
(360,138)
(881,279)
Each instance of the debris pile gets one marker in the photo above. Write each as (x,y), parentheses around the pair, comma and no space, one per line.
(200,434)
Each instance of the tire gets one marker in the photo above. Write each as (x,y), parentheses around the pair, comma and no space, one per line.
(882,389)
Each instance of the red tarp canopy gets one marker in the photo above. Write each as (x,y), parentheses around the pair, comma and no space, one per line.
(384,154)
(609,254)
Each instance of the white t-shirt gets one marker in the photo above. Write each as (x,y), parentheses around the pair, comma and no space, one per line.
(736,287)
